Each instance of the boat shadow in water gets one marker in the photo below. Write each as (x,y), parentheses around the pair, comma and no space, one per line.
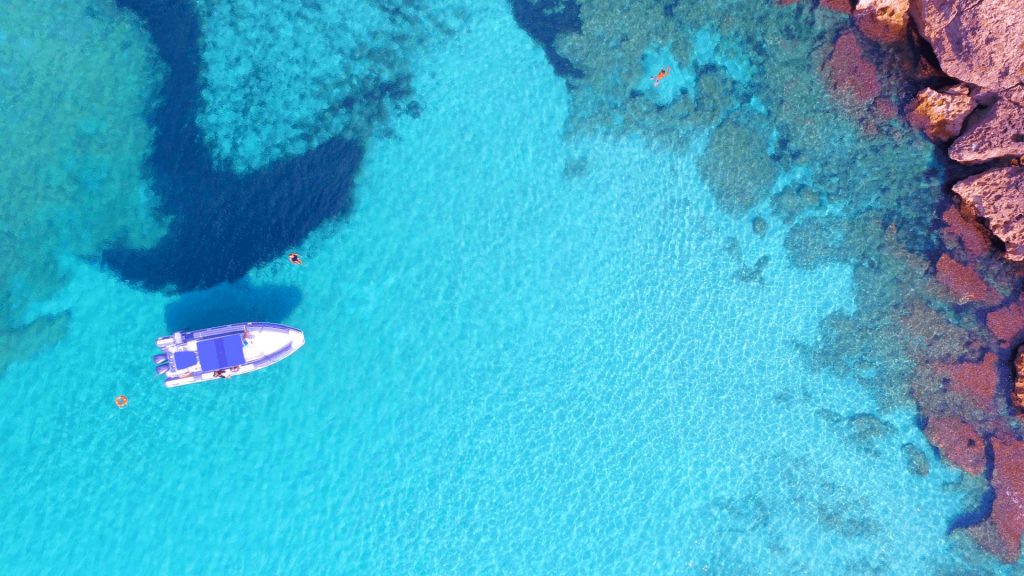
(223,224)
(231,303)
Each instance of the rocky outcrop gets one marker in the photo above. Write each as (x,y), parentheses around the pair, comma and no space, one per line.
(1018,380)
(997,197)
(977,41)
(940,114)
(883,21)
(977,103)
(997,133)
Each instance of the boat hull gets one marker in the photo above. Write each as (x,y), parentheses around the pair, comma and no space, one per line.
(225,351)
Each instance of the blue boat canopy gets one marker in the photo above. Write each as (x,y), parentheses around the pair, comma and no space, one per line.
(222,352)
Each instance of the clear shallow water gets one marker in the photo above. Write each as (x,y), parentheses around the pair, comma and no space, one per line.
(529,350)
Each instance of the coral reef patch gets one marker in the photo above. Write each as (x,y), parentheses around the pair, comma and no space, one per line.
(281,77)
(67,136)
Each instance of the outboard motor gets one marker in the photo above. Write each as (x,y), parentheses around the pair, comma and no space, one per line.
(159,358)
(162,369)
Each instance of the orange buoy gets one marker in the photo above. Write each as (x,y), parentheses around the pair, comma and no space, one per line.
(121,401)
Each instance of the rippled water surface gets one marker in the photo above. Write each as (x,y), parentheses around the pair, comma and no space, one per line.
(558,320)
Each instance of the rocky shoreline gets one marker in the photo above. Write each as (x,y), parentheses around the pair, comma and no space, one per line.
(965,60)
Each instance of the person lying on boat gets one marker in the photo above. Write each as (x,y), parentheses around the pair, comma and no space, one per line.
(222,373)
(294,258)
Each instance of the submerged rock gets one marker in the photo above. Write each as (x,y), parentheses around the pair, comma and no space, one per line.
(1006,324)
(736,163)
(793,201)
(975,382)
(964,282)
(844,6)
(1001,532)
(958,442)
(883,20)
(967,233)
(977,41)
(940,115)
(850,73)
(997,197)
(917,460)
(867,430)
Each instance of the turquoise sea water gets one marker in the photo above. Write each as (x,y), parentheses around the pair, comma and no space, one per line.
(531,349)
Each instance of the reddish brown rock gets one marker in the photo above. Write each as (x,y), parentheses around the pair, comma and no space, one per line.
(1017,396)
(997,133)
(975,382)
(1006,323)
(883,21)
(940,115)
(997,197)
(844,6)
(977,41)
(964,282)
(884,109)
(968,233)
(1001,532)
(850,73)
(958,442)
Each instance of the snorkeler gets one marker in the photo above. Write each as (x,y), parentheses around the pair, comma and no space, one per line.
(294,258)
(660,75)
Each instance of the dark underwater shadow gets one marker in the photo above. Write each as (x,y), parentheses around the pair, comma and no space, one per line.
(983,510)
(544,20)
(231,303)
(223,224)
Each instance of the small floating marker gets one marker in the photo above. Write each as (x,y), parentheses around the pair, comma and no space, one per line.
(121,401)
(294,258)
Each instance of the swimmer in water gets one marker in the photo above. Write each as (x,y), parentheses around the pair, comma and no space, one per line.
(294,258)
(660,75)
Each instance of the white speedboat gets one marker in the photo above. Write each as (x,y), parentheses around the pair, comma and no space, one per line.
(224,351)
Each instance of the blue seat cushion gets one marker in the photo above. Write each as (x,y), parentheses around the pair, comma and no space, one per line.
(184,359)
